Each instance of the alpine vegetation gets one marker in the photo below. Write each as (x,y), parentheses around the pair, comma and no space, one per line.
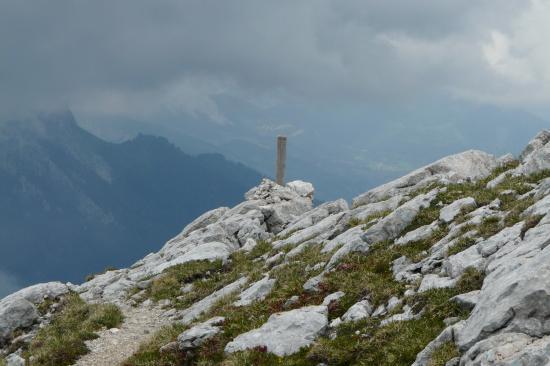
(448,265)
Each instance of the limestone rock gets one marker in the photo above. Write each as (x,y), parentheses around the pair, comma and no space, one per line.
(516,292)
(351,237)
(202,306)
(284,333)
(390,227)
(449,212)
(421,233)
(314,216)
(468,300)
(18,310)
(432,281)
(15,360)
(536,156)
(509,349)
(407,314)
(360,310)
(469,165)
(368,210)
(318,232)
(425,356)
(334,297)
(257,291)
(456,264)
(200,333)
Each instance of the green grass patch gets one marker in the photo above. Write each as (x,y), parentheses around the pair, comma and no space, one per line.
(149,353)
(62,341)
(461,244)
(398,343)
(290,279)
(358,275)
(206,277)
(514,214)
(261,357)
(489,226)
(444,353)
(169,284)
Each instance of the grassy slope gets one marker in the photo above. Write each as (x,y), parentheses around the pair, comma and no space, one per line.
(363,342)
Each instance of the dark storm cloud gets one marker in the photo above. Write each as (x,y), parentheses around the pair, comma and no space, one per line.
(139,56)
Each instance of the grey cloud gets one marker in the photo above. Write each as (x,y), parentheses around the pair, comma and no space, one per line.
(131,55)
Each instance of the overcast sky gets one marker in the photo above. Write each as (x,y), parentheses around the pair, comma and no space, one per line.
(140,58)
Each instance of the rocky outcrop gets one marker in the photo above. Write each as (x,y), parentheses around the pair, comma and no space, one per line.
(469,165)
(390,227)
(257,291)
(268,209)
(504,240)
(19,311)
(284,333)
(200,333)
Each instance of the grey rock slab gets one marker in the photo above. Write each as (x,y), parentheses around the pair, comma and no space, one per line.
(38,293)
(433,281)
(368,210)
(202,221)
(469,165)
(509,349)
(541,207)
(407,314)
(249,245)
(312,284)
(18,310)
(334,297)
(449,212)
(284,333)
(536,156)
(390,227)
(360,310)
(537,143)
(508,235)
(424,357)
(202,306)
(467,300)
(456,264)
(282,205)
(15,360)
(421,233)
(314,216)
(200,333)
(515,296)
(352,237)
(257,291)
(543,189)
(303,189)
(325,226)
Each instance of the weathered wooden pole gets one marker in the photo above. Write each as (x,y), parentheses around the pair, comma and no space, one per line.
(281,159)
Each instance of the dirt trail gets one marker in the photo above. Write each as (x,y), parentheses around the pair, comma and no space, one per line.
(115,345)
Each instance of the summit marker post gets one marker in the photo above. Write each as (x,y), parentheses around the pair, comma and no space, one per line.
(281,159)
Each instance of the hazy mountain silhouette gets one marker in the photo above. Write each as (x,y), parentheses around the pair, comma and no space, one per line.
(72,204)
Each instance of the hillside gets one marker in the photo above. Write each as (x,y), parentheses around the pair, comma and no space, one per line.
(73,204)
(448,265)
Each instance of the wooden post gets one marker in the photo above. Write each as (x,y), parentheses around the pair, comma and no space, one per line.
(281,159)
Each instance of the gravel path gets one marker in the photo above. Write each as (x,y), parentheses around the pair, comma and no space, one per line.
(115,345)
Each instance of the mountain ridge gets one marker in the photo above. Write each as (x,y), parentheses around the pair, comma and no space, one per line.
(447,265)
(94,201)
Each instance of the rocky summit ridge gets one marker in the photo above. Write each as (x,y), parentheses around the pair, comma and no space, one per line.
(448,265)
